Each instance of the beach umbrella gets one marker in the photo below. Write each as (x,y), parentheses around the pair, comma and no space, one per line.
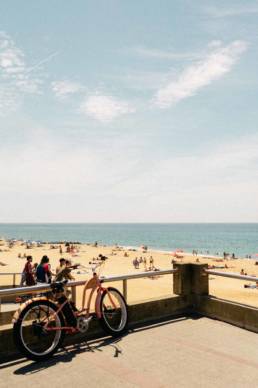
(177,254)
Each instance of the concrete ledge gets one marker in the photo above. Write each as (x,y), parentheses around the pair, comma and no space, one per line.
(6,317)
(158,308)
(138,313)
(237,314)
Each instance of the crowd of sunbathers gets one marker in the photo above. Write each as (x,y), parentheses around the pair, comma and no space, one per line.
(148,264)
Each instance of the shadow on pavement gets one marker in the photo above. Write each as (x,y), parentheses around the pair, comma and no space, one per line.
(69,352)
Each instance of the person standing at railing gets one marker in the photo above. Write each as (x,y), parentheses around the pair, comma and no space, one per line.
(43,272)
(61,265)
(29,273)
(23,278)
(64,271)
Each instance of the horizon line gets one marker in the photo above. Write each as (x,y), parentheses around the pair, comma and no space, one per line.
(124,222)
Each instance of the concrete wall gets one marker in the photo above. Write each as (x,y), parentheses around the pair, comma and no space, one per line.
(235,313)
(6,318)
(138,313)
(8,299)
(191,280)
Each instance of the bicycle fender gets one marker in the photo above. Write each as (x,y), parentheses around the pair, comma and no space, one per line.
(97,305)
(17,313)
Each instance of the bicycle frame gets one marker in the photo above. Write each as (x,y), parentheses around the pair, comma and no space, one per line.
(92,285)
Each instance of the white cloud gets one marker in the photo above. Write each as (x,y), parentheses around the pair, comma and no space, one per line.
(104,108)
(15,77)
(98,179)
(143,81)
(231,162)
(219,185)
(231,11)
(91,166)
(217,63)
(65,88)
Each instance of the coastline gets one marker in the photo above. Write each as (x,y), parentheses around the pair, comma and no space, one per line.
(120,261)
(240,239)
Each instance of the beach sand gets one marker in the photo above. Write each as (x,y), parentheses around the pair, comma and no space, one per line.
(117,263)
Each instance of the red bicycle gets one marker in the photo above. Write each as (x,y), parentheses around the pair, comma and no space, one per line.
(40,324)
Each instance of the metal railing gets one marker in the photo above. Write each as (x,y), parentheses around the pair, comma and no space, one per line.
(231,275)
(73,284)
(13,274)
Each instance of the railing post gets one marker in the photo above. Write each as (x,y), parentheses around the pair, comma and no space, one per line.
(200,279)
(14,278)
(182,279)
(73,289)
(125,289)
(191,279)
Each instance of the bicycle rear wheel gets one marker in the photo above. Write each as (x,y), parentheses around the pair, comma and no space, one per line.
(32,337)
(114,313)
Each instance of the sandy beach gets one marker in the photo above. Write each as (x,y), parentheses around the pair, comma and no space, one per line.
(120,262)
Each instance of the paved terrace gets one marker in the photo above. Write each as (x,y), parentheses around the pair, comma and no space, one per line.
(183,352)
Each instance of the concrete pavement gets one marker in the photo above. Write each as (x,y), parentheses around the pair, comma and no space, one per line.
(183,352)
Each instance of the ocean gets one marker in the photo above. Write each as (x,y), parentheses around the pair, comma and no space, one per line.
(241,239)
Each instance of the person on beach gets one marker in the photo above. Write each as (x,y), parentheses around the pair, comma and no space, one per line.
(29,274)
(251,285)
(23,278)
(35,266)
(43,272)
(61,265)
(64,272)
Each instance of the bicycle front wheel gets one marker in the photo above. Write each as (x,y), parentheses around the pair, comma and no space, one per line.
(114,313)
(37,332)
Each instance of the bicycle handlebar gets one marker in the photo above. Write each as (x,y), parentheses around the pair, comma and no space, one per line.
(92,267)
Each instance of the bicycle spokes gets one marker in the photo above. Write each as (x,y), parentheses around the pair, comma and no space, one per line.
(114,310)
(35,330)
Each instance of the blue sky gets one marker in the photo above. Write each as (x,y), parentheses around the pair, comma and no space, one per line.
(129,111)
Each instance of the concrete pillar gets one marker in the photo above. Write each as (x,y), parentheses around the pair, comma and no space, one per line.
(200,279)
(190,279)
(182,279)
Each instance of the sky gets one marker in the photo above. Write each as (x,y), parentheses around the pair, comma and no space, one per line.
(129,111)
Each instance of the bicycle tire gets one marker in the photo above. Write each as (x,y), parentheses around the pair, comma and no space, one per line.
(121,322)
(19,336)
